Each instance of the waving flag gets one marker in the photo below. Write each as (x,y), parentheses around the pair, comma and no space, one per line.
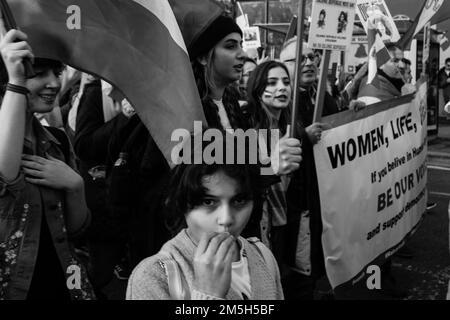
(428,10)
(378,53)
(136,45)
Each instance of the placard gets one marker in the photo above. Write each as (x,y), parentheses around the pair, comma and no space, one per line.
(332,24)
(386,26)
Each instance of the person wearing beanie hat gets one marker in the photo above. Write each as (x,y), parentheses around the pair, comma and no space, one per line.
(217,60)
(215,32)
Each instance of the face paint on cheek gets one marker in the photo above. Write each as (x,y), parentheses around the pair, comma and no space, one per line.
(268,95)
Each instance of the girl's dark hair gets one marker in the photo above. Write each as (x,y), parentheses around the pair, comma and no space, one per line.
(203,80)
(256,85)
(185,189)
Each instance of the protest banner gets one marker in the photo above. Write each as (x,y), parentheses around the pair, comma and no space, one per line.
(331,24)
(380,155)
(386,26)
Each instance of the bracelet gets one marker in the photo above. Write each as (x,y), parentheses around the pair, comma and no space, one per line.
(17,89)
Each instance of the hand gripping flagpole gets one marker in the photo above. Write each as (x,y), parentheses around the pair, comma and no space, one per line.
(298,59)
(10,23)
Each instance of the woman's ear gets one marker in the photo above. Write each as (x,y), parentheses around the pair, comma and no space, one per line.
(202,60)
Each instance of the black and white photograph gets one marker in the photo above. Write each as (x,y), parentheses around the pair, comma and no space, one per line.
(224,151)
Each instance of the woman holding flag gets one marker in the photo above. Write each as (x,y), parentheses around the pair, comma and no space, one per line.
(42,202)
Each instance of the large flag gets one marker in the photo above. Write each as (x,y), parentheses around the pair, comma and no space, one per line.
(136,45)
(412,8)
(428,10)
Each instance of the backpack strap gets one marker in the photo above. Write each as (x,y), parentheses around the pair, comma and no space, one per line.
(265,253)
(176,282)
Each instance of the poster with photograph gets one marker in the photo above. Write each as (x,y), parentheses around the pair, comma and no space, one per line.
(385,23)
(331,24)
(252,39)
(356,54)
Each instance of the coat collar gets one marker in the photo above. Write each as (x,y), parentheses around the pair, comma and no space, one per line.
(44,138)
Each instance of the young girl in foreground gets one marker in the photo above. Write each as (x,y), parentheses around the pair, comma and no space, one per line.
(211,204)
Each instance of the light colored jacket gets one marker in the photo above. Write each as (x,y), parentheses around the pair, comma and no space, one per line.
(148,280)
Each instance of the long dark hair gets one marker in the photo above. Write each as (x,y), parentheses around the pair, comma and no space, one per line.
(257,83)
(230,98)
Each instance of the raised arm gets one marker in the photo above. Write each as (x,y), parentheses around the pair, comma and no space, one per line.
(14,105)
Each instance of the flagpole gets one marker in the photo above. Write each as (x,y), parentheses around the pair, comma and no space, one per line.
(320,98)
(9,24)
(298,59)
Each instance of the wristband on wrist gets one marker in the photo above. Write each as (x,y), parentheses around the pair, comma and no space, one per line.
(17,89)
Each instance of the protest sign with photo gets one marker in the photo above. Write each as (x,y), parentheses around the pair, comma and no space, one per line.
(357,53)
(331,24)
(381,159)
(386,25)
(252,39)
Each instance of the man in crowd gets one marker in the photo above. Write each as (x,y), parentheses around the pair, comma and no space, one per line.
(390,80)
(303,261)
